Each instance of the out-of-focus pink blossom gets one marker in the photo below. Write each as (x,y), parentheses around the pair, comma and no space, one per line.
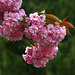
(11,28)
(12,33)
(10,6)
(14,16)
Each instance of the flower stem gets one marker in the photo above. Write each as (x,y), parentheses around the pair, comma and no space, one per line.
(31,42)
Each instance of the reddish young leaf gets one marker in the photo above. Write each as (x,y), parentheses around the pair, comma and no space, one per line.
(67,24)
(65,19)
(56,19)
(39,12)
(50,18)
(67,31)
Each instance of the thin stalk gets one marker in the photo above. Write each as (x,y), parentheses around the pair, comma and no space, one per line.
(31,42)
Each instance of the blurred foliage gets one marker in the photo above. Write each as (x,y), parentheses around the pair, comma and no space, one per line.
(11,62)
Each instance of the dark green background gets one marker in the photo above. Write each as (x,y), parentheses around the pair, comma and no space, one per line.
(11,62)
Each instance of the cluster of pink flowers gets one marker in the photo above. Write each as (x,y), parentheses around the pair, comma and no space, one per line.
(39,55)
(9,5)
(11,27)
(47,35)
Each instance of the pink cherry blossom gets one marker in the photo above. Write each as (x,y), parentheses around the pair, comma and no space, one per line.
(48,35)
(14,16)
(11,32)
(39,55)
(10,6)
